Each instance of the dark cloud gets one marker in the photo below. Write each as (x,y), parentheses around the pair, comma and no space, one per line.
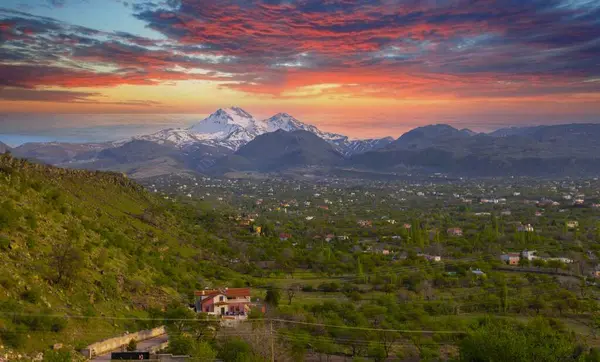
(20,94)
(381,47)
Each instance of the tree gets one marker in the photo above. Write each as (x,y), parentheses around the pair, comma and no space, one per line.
(504,297)
(537,304)
(67,260)
(523,262)
(198,326)
(272,297)
(236,350)
(540,263)
(509,340)
(291,292)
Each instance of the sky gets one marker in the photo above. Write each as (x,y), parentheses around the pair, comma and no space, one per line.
(365,68)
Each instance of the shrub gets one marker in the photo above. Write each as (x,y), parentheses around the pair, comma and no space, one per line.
(13,337)
(7,281)
(8,215)
(58,356)
(4,243)
(32,295)
(132,345)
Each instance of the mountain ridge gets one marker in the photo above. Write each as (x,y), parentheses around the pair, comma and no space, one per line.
(4,148)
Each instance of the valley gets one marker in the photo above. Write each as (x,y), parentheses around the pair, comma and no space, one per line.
(412,269)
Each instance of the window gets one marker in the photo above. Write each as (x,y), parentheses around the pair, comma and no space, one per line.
(221,298)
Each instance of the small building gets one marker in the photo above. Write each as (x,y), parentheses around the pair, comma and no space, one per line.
(511,258)
(525,228)
(478,272)
(528,254)
(455,232)
(572,224)
(434,258)
(224,302)
(284,236)
(365,223)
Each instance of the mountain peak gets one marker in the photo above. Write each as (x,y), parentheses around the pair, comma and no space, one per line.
(233,112)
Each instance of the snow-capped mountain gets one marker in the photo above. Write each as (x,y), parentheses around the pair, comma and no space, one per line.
(233,124)
(340,142)
(227,127)
(233,127)
(288,123)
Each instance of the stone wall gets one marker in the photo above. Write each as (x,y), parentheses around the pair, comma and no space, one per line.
(168,358)
(112,344)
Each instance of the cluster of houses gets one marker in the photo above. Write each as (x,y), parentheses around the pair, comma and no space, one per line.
(529,255)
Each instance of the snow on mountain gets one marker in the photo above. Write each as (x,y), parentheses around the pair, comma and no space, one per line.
(229,124)
(227,127)
(288,123)
(340,142)
(233,127)
(361,146)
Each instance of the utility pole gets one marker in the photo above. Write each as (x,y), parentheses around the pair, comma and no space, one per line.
(272,344)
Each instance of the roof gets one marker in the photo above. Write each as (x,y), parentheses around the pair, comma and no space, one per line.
(228,292)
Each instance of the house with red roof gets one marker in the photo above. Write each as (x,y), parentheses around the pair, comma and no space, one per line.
(232,302)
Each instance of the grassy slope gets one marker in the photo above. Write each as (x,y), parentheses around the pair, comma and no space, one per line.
(137,254)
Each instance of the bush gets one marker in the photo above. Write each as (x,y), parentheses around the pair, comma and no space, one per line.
(32,295)
(132,345)
(235,349)
(4,243)
(7,281)
(8,215)
(13,337)
(58,356)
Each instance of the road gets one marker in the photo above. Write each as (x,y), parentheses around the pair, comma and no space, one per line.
(142,346)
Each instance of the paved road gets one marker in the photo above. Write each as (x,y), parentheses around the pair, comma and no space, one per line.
(142,346)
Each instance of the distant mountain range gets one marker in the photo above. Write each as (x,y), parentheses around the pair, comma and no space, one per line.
(560,150)
(233,127)
(233,140)
(4,148)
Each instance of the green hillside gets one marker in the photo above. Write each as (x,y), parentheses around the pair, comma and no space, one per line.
(79,243)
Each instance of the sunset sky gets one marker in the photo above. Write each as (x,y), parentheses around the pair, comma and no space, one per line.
(362,68)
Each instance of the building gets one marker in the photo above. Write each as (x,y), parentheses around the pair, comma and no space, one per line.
(365,223)
(525,228)
(528,254)
(478,272)
(284,236)
(561,259)
(455,232)
(572,224)
(224,302)
(511,258)
(435,258)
